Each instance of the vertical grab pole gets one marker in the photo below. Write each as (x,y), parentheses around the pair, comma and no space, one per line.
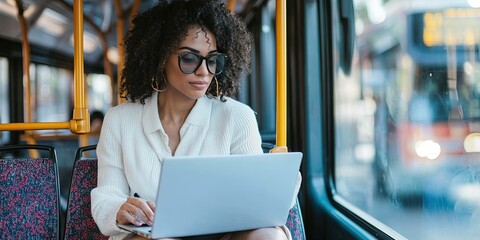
(25,59)
(121,50)
(26,75)
(122,16)
(231,5)
(281,61)
(81,118)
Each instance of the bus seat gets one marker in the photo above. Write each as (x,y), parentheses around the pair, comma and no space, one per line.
(295,223)
(84,180)
(79,221)
(29,188)
(295,219)
(266,147)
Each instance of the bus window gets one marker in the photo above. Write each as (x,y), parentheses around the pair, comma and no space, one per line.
(51,96)
(267,74)
(257,90)
(99,92)
(4,111)
(407,118)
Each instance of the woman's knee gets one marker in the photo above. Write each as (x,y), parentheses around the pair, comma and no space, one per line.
(260,234)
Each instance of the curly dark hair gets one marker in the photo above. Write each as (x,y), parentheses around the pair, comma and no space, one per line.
(157,33)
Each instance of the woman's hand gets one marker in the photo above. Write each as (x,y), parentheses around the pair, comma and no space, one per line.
(136,211)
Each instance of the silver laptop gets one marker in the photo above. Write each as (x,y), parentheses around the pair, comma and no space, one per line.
(200,195)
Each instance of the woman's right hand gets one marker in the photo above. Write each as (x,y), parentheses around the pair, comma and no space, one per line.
(137,211)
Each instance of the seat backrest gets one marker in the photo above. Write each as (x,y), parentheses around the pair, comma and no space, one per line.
(80,224)
(295,223)
(79,220)
(29,190)
(294,220)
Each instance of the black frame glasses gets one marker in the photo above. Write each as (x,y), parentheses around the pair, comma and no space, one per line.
(189,62)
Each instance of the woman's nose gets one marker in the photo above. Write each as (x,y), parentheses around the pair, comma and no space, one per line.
(202,69)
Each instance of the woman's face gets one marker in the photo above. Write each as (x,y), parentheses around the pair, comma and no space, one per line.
(191,85)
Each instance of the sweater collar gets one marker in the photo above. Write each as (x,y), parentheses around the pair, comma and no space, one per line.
(199,115)
(151,119)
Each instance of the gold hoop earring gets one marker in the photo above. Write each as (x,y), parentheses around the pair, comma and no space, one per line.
(156,85)
(216,83)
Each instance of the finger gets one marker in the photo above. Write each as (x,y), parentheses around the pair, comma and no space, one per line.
(140,216)
(147,210)
(151,205)
(132,214)
(125,217)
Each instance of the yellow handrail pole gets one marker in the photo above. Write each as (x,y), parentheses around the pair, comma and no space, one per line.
(83,138)
(26,68)
(134,11)
(121,50)
(25,58)
(26,74)
(120,35)
(34,126)
(281,62)
(103,41)
(81,118)
(231,5)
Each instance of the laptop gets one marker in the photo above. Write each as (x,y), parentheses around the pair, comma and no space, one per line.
(200,195)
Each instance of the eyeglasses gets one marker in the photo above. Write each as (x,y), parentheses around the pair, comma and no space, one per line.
(189,62)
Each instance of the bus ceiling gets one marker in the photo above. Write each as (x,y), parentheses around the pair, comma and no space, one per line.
(50,23)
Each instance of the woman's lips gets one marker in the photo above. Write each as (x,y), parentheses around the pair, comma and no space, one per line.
(199,85)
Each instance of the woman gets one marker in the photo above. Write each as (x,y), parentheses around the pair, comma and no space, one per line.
(184,60)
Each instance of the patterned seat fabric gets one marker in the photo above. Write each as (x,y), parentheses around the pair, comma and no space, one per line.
(29,207)
(295,223)
(84,179)
(79,222)
(294,220)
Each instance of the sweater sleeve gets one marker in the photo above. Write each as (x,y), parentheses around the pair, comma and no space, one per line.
(112,187)
(246,136)
(297,189)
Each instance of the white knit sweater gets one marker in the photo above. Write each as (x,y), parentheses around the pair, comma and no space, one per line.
(133,143)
